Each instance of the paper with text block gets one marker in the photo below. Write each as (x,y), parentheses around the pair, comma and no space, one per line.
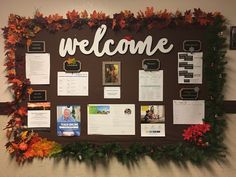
(188,112)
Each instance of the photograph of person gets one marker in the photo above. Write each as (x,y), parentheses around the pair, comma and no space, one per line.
(68,120)
(111,73)
(152,114)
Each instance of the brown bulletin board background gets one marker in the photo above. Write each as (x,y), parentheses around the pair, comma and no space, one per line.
(130,66)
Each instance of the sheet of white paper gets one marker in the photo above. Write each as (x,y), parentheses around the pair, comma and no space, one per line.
(150,85)
(188,112)
(112,92)
(153,130)
(38,118)
(38,68)
(72,84)
(190,68)
(111,119)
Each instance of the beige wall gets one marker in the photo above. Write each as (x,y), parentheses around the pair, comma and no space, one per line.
(9,168)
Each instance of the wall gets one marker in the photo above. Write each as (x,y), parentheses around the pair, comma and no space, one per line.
(38,168)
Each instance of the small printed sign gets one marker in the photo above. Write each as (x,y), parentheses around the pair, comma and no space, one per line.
(72,67)
(189,93)
(151,64)
(36,46)
(38,95)
(192,45)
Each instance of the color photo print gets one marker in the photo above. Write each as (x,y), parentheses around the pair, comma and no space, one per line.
(111,73)
(152,120)
(68,120)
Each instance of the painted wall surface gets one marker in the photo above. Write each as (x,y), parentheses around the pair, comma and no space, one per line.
(146,168)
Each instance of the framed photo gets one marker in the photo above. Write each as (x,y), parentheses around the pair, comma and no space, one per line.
(111,73)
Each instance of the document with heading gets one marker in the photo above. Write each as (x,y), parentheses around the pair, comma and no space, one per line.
(111,119)
(39,115)
(150,85)
(188,112)
(111,92)
(38,68)
(190,68)
(72,84)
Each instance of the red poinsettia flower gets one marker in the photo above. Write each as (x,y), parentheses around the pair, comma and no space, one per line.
(196,134)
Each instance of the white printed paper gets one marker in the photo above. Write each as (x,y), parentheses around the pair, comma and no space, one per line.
(39,115)
(188,112)
(38,68)
(153,130)
(151,85)
(190,68)
(72,84)
(112,92)
(39,119)
(111,119)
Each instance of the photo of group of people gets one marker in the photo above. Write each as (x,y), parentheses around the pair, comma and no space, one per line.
(152,114)
(152,121)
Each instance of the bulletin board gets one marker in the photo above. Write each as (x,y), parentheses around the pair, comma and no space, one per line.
(177,28)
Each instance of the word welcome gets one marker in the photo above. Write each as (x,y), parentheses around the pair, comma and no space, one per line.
(69,46)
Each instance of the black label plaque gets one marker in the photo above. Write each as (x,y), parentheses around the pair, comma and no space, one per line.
(151,64)
(38,95)
(36,46)
(192,45)
(76,67)
(189,93)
